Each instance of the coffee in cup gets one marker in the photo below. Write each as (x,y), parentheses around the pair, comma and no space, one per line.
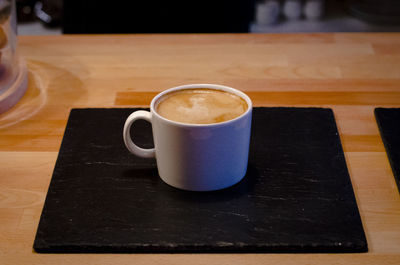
(201,136)
(200,106)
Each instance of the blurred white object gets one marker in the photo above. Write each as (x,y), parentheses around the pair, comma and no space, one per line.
(314,9)
(292,9)
(13,72)
(267,12)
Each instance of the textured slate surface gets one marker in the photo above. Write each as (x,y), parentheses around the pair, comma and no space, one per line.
(389,125)
(296,197)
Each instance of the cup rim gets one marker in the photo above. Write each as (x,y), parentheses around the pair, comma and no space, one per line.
(201,86)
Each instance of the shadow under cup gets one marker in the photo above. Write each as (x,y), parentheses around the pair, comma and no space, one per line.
(199,157)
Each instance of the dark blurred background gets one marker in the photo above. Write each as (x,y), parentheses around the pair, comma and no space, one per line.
(206,16)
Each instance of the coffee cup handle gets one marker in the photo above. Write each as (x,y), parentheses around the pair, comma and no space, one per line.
(132,147)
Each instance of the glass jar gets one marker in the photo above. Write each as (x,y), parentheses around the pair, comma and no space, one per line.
(13,81)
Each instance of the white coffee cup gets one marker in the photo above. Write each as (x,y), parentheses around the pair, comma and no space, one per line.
(196,157)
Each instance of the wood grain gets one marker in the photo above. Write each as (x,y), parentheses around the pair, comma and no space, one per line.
(294,98)
(350,73)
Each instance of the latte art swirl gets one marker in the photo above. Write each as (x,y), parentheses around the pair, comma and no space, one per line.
(201,106)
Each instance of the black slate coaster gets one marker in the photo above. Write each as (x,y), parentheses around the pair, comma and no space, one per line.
(296,197)
(389,125)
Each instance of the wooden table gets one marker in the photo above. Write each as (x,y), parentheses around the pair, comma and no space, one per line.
(350,73)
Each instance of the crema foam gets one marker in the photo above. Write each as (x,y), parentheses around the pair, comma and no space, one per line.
(201,106)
